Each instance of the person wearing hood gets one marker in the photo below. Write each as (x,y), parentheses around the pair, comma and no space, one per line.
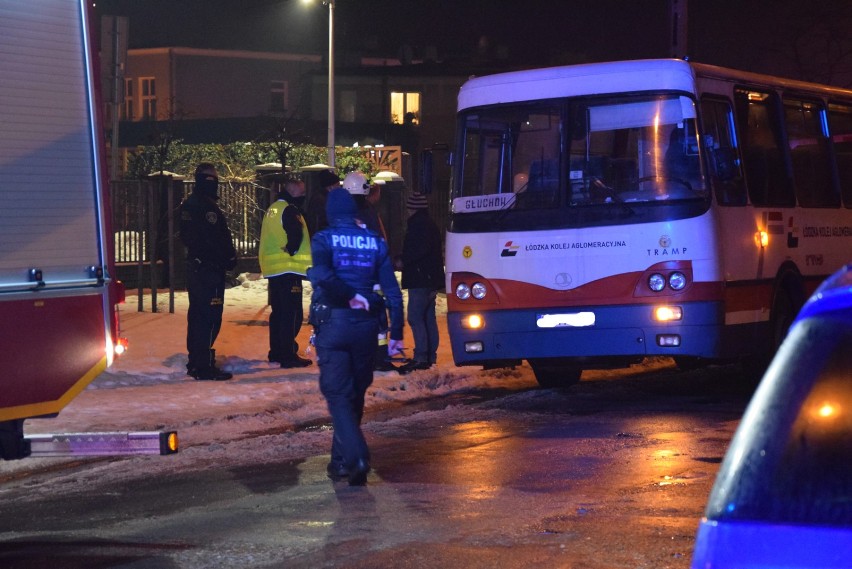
(210,253)
(285,255)
(348,261)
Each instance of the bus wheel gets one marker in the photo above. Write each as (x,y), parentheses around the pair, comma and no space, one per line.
(782,315)
(551,373)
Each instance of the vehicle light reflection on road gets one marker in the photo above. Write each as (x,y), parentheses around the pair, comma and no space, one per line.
(669,461)
(482,443)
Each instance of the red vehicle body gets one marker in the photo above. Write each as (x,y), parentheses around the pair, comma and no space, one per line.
(58,296)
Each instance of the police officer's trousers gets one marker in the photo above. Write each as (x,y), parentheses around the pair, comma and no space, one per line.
(285,319)
(346,345)
(206,289)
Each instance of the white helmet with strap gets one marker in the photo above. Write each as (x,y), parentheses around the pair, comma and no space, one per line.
(356,184)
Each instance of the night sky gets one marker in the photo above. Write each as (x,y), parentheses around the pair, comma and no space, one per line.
(749,34)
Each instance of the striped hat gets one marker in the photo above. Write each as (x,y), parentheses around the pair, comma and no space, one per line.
(416,201)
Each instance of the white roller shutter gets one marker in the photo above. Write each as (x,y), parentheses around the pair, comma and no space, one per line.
(49,210)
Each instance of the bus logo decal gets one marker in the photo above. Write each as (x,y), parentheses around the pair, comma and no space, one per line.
(792,234)
(562,280)
(774,222)
(509,250)
(467,252)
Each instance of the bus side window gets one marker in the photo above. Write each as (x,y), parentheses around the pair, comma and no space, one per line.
(720,144)
(840,129)
(726,164)
(759,127)
(810,157)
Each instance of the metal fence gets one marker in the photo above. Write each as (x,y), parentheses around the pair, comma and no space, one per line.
(145,222)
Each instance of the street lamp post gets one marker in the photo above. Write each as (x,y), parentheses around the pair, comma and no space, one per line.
(330,4)
(331,157)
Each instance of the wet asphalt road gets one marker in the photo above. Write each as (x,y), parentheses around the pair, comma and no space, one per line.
(612,473)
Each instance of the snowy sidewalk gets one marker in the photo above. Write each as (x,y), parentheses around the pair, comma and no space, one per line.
(148,389)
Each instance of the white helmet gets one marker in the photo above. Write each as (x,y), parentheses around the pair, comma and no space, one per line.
(356,184)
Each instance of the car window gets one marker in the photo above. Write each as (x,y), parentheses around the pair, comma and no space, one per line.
(791,460)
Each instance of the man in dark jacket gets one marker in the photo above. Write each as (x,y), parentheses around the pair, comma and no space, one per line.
(210,253)
(348,261)
(285,255)
(423,276)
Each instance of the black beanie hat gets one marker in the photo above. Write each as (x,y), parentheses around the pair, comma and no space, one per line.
(340,204)
(328,178)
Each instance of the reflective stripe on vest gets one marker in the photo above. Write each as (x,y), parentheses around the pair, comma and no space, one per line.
(274,260)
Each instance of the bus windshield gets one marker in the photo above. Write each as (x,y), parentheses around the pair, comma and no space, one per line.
(578,152)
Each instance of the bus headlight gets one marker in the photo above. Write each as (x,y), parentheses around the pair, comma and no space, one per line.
(656,282)
(462,291)
(472,321)
(478,290)
(677,280)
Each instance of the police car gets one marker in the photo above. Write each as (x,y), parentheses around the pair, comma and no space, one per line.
(783,495)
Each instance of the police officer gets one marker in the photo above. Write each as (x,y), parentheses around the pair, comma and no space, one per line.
(366,196)
(348,261)
(210,253)
(285,255)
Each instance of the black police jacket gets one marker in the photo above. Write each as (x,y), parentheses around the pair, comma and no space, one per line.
(348,260)
(204,231)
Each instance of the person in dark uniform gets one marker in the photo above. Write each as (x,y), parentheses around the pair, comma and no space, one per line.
(210,253)
(348,261)
(366,196)
(285,255)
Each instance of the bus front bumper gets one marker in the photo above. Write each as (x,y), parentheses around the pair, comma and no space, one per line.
(595,332)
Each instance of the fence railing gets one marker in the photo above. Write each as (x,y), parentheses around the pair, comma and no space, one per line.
(145,222)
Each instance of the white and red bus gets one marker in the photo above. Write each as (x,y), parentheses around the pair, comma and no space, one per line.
(58,294)
(608,212)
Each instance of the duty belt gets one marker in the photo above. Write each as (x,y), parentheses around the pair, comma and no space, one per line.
(359,313)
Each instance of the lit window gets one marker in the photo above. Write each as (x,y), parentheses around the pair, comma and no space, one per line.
(405,108)
(148,97)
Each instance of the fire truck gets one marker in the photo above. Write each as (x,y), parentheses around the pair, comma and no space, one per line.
(59,324)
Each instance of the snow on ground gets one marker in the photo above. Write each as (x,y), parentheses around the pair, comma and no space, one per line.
(148,389)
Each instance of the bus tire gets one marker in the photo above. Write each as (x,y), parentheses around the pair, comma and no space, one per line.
(783,312)
(553,374)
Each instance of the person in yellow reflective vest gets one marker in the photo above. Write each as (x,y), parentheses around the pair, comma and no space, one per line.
(285,255)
